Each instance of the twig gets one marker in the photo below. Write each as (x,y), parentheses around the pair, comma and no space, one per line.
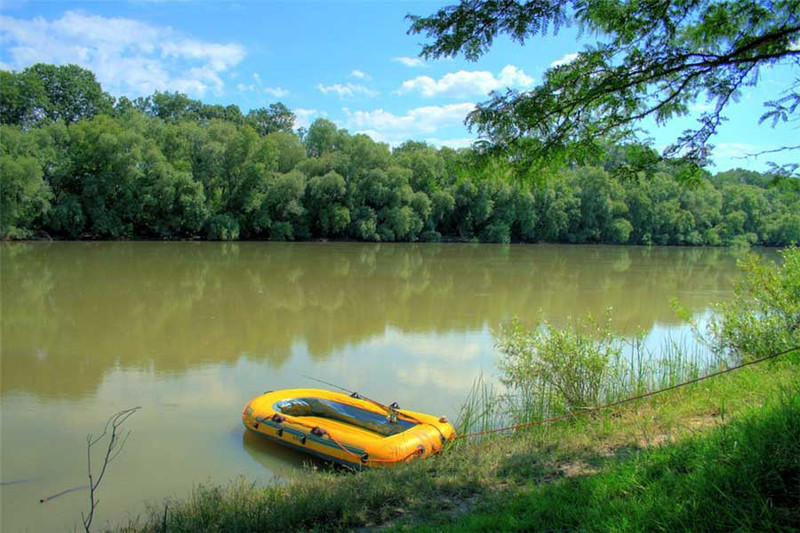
(66,491)
(762,152)
(113,450)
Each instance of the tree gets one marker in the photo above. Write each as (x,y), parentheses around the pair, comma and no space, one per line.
(275,118)
(653,59)
(288,150)
(323,136)
(23,195)
(170,107)
(325,198)
(48,92)
(22,99)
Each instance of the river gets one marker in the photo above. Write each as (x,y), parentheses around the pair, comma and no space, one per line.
(190,331)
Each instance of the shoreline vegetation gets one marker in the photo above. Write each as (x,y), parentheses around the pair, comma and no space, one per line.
(78,163)
(720,455)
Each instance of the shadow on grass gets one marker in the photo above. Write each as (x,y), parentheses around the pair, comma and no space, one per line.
(741,476)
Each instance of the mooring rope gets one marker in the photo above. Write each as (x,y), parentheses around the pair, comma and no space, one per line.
(626,400)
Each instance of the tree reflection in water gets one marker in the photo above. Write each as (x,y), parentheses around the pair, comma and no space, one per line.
(71,311)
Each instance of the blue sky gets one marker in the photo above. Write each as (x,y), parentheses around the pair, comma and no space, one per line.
(351,62)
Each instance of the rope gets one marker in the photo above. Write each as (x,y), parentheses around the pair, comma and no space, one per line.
(626,400)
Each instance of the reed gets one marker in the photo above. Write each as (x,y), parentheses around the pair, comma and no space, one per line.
(601,367)
(482,409)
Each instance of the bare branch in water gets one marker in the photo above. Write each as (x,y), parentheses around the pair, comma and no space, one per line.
(115,446)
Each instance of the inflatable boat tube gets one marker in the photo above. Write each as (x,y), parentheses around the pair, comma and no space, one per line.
(345,429)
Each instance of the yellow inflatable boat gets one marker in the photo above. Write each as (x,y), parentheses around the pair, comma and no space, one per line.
(346,429)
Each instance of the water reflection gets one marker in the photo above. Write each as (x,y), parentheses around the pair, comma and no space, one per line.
(73,311)
(275,457)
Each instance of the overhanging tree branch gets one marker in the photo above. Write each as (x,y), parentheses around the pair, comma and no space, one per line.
(658,58)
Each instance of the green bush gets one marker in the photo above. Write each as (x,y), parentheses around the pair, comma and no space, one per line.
(281,231)
(554,369)
(223,228)
(764,316)
(497,232)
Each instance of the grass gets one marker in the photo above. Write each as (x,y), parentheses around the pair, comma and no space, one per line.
(741,476)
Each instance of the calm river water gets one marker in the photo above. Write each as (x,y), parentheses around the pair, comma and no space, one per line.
(191,331)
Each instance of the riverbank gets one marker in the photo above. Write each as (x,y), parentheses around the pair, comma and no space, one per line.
(722,454)
(738,245)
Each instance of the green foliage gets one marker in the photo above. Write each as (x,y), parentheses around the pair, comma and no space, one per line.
(497,232)
(764,316)
(284,203)
(223,228)
(24,194)
(43,93)
(275,118)
(652,60)
(566,368)
(288,151)
(620,231)
(326,196)
(549,371)
(322,137)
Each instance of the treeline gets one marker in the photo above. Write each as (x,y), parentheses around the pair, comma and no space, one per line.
(78,163)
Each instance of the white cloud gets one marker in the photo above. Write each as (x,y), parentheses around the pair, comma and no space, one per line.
(458,142)
(127,56)
(348,90)
(735,150)
(277,92)
(396,139)
(360,75)
(218,57)
(568,58)
(305,116)
(418,123)
(467,83)
(426,119)
(409,61)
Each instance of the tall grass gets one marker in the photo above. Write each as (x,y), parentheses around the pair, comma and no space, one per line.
(482,410)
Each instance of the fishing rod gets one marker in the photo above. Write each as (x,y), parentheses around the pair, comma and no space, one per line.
(391,410)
